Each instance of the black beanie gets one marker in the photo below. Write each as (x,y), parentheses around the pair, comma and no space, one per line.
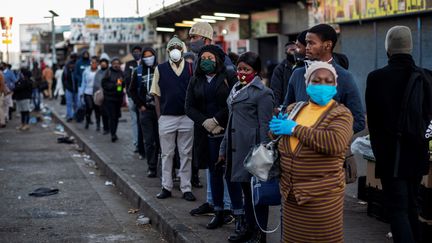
(215,50)
(325,32)
(302,37)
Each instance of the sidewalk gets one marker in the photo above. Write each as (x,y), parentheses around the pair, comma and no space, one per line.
(171,216)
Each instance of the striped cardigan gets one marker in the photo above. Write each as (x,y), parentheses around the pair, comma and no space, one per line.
(315,168)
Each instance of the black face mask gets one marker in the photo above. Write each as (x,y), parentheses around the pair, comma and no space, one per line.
(299,57)
(290,58)
(104,68)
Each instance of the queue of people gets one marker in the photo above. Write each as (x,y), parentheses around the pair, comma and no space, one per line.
(200,110)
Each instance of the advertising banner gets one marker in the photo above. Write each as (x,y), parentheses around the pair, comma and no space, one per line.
(111,30)
(339,11)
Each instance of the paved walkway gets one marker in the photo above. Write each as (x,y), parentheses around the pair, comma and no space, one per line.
(84,210)
(172,215)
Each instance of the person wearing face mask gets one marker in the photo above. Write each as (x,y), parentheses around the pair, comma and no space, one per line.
(139,90)
(201,34)
(170,81)
(250,105)
(113,91)
(206,106)
(312,151)
(282,73)
(99,112)
(129,68)
(82,63)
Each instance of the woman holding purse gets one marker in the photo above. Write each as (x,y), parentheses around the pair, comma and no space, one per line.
(312,152)
(250,105)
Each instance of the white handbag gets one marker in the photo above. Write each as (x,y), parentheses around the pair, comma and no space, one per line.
(261,158)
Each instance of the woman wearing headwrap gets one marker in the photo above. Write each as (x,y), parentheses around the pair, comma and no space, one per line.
(312,153)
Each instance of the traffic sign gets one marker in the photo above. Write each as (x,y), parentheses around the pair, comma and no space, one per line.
(7,41)
(6,22)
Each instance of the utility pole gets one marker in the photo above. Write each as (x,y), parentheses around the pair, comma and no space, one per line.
(91,4)
(53,41)
(137,7)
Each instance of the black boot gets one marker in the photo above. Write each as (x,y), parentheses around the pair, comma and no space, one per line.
(257,237)
(242,233)
(217,221)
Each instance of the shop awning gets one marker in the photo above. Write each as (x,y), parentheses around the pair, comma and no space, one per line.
(189,9)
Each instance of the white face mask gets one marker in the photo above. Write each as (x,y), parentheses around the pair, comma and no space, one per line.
(149,61)
(175,55)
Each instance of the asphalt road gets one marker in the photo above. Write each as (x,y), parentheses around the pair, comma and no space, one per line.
(84,210)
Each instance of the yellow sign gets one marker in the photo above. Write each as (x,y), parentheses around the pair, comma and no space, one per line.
(92,13)
(338,11)
(7,41)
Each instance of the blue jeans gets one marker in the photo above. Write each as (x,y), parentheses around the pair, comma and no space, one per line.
(226,196)
(36,96)
(71,104)
(216,185)
(134,122)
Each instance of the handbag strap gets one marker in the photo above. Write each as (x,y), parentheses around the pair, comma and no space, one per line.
(297,107)
(253,209)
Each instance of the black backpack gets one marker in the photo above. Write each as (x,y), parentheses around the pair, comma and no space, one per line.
(416,109)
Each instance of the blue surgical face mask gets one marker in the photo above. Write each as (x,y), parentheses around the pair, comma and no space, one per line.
(321,93)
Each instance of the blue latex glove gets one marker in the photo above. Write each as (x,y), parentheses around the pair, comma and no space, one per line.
(282,127)
(282,116)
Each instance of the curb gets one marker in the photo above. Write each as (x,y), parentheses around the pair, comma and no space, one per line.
(172,229)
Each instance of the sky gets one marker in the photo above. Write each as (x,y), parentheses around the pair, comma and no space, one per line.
(34,11)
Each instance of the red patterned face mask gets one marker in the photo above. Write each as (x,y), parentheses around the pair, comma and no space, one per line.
(245,78)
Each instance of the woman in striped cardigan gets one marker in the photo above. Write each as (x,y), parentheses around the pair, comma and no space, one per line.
(312,154)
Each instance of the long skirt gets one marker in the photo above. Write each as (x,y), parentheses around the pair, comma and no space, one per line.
(319,220)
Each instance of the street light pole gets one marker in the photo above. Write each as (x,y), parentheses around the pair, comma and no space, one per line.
(53,49)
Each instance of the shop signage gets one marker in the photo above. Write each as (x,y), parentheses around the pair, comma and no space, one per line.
(336,11)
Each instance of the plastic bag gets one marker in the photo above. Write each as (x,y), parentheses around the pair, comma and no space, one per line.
(362,146)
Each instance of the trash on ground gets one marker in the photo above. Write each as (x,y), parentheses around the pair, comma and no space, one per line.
(362,146)
(77,156)
(91,173)
(133,210)
(60,182)
(43,191)
(362,202)
(1,169)
(142,220)
(60,133)
(389,235)
(19,197)
(67,140)
(33,120)
(59,128)
(133,176)
(109,183)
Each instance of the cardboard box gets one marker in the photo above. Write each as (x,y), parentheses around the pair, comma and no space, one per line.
(427,179)
(371,181)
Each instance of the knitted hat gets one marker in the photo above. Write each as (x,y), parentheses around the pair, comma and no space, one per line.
(203,29)
(319,65)
(175,41)
(398,40)
(215,50)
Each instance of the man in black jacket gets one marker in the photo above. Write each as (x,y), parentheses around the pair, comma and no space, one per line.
(401,177)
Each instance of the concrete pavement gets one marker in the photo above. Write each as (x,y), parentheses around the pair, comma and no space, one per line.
(171,216)
(84,210)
